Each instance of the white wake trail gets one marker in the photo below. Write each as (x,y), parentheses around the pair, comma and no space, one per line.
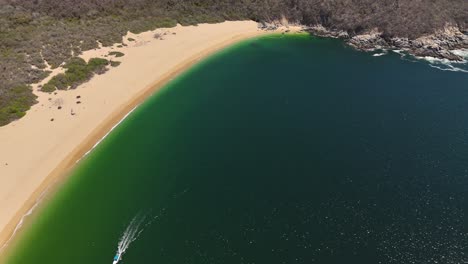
(131,233)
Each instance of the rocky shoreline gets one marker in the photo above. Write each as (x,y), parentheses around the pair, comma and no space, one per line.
(438,45)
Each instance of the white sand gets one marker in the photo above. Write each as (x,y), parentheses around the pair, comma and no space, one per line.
(35,152)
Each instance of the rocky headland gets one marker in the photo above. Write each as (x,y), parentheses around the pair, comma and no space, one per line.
(440,44)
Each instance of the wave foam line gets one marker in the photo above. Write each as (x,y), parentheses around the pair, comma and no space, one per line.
(450,68)
(444,64)
(23,218)
(107,134)
(440,64)
(379,54)
(461,52)
(41,197)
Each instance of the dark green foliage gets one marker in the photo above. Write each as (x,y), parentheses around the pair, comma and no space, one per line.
(115,63)
(78,72)
(48,88)
(60,81)
(116,54)
(97,65)
(75,63)
(15,104)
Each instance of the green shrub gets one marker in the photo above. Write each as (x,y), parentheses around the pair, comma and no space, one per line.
(75,62)
(48,88)
(61,81)
(44,75)
(18,101)
(165,23)
(116,54)
(97,65)
(78,72)
(115,63)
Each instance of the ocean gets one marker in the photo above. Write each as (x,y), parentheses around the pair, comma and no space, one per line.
(279,149)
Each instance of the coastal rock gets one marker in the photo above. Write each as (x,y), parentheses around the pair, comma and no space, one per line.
(321,31)
(440,44)
(448,38)
(403,43)
(369,41)
(436,53)
(268,26)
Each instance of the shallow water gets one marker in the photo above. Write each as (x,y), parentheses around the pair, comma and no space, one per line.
(277,150)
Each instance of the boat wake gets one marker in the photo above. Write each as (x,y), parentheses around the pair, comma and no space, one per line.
(131,233)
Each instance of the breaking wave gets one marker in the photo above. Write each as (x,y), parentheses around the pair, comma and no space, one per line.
(379,54)
(446,65)
(440,64)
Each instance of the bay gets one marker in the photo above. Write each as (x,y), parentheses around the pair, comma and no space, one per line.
(280,149)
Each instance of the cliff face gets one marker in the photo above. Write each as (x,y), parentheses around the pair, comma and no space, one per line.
(33,32)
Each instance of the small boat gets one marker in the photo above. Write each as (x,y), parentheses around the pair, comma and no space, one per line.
(116,258)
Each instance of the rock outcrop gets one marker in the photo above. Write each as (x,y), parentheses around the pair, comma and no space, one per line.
(370,41)
(321,31)
(438,45)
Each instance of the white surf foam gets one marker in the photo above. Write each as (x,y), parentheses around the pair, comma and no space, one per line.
(23,218)
(379,54)
(444,64)
(403,54)
(448,68)
(461,52)
(107,134)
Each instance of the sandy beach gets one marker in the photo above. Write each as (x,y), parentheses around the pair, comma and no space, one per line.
(39,149)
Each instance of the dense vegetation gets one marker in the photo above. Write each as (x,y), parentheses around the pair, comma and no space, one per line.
(35,31)
(15,103)
(78,72)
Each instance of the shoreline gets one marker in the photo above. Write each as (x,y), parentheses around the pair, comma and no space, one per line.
(50,179)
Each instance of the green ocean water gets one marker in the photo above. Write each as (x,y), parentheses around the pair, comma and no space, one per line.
(282,149)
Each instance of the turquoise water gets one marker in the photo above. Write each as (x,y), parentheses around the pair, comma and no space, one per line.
(277,150)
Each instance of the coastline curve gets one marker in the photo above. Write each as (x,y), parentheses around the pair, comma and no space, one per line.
(60,173)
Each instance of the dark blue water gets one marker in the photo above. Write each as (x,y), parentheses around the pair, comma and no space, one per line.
(278,150)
